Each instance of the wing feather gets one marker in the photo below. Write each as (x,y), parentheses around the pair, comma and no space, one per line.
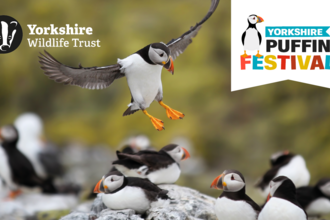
(85,77)
(178,45)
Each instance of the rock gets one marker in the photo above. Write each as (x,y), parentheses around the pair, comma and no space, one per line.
(186,204)
(35,204)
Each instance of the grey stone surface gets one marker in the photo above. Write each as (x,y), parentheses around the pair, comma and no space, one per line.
(186,204)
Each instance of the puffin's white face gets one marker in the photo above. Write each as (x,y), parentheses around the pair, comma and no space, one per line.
(232,182)
(113,182)
(143,171)
(178,154)
(253,19)
(326,189)
(274,186)
(158,56)
(8,133)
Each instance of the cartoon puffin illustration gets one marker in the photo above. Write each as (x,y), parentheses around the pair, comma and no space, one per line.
(251,38)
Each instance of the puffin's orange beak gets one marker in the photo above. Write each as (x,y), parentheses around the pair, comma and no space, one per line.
(268,197)
(97,187)
(215,182)
(260,19)
(185,155)
(169,65)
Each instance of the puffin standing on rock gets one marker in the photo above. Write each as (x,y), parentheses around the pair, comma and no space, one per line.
(315,199)
(285,163)
(233,203)
(251,37)
(282,203)
(159,167)
(122,192)
(15,169)
(142,70)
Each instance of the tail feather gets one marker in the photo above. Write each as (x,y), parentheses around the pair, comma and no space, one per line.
(163,195)
(129,111)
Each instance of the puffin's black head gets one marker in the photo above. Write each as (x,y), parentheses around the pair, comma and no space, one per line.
(280,157)
(110,183)
(176,152)
(324,186)
(229,181)
(159,54)
(254,19)
(281,187)
(9,135)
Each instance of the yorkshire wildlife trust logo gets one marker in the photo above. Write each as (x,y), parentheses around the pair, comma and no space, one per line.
(277,47)
(11,34)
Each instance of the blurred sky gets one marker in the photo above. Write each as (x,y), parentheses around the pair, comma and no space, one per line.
(238,130)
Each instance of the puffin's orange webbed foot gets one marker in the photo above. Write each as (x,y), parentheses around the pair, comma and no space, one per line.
(171,113)
(258,54)
(244,55)
(14,194)
(157,123)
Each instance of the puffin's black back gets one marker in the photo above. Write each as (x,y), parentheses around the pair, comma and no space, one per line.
(22,169)
(287,191)
(152,191)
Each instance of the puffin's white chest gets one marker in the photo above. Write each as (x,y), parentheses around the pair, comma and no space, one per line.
(169,174)
(234,210)
(297,171)
(127,198)
(318,207)
(144,80)
(251,41)
(280,209)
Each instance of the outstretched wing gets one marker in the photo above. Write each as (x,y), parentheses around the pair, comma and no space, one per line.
(89,77)
(178,45)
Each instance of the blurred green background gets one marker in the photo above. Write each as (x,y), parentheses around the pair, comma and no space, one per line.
(238,130)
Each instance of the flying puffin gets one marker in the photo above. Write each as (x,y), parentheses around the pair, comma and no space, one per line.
(44,158)
(251,38)
(15,169)
(159,167)
(282,203)
(142,70)
(285,164)
(315,199)
(122,192)
(233,203)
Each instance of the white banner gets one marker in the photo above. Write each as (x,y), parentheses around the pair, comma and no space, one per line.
(293,42)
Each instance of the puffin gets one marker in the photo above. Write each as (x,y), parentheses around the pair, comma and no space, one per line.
(251,38)
(233,203)
(142,70)
(129,167)
(44,157)
(285,163)
(160,167)
(282,203)
(15,169)
(122,192)
(315,199)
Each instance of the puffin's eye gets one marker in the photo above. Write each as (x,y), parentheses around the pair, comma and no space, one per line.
(161,55)
(111,179)
(232,177)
